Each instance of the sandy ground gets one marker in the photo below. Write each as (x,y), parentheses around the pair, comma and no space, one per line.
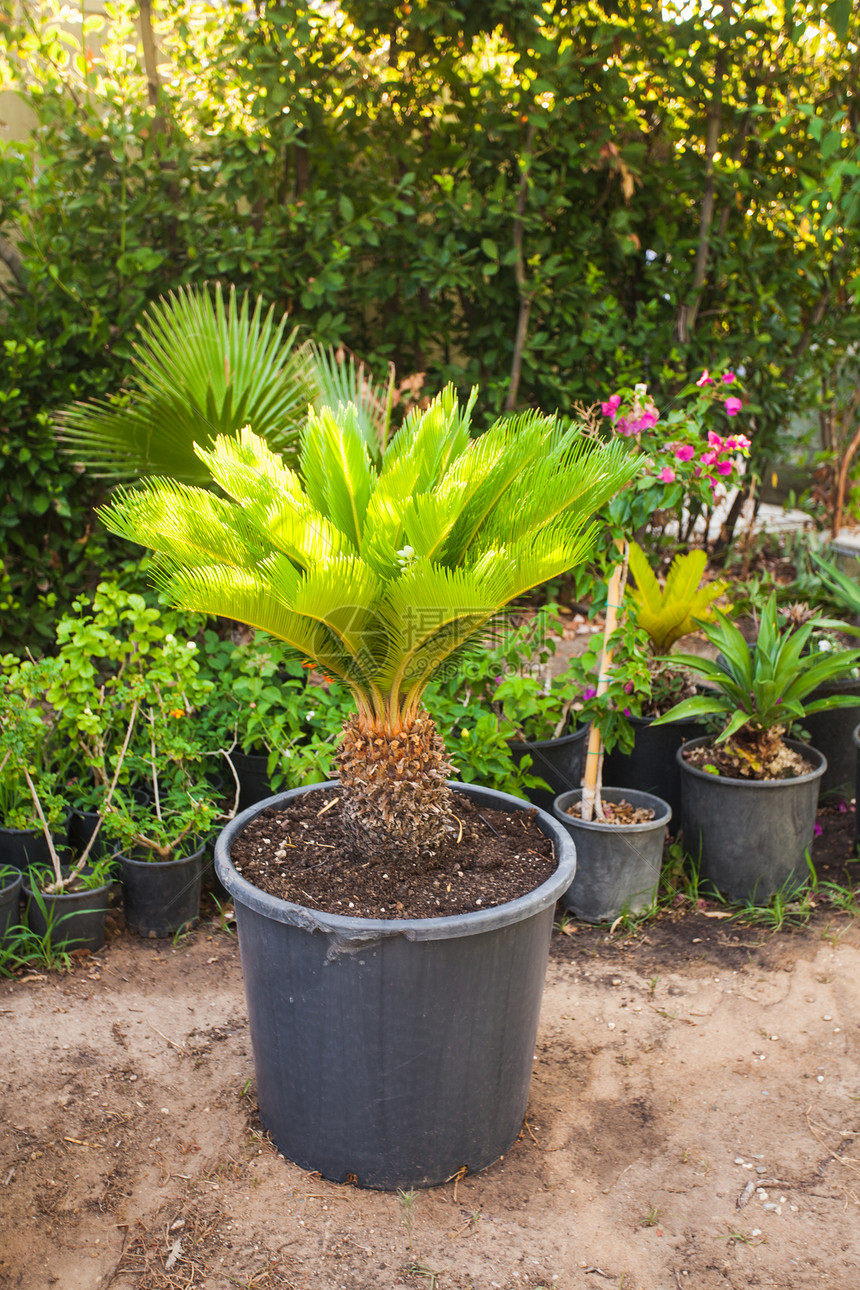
(693,1123)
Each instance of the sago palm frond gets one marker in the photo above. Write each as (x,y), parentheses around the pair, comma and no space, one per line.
(385,614)
(341,381)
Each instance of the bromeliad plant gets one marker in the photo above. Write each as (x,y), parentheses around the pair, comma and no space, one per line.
(380,573)
(666,614)
(759,692)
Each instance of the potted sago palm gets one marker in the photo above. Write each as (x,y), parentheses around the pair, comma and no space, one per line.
(749,794)
(394,928)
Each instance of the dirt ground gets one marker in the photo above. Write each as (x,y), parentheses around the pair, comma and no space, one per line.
(693,1123)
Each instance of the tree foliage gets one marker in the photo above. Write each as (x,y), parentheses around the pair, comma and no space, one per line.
(548,199)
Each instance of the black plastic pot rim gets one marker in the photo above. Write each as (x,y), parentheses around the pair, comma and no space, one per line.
(805,750)
(413,929)
(663,811)
(560,742)
(856,737)
(6,884)
(161,864)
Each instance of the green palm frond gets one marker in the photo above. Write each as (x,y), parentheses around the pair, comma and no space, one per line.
(343,382)
(431,439)
(204,366)
(248,470)
(359,570)
(568,476)
(337,469)
(188,525)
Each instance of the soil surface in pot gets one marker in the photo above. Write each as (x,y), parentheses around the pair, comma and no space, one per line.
(617,813)
(739,759)
(304,854)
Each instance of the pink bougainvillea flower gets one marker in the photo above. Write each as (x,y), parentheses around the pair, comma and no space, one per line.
(588,694)
(667,475)
(737,443)
(647,420)
(627,712)
(817,830)
(708,458)
(733,407)
(697,472)
(684,452)
(628,687)
(714,440)
(704,379)
(611,406)
(728,377)
(725,468)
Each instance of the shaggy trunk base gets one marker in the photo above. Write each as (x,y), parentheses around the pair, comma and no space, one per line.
(398,801)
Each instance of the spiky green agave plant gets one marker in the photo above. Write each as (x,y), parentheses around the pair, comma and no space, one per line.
(378,574)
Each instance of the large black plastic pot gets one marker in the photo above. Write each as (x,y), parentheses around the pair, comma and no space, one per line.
(24,848)
(10,896)
(617,865)
(831,733)
(394,1052)
(750,837)
(162,897)
(558,761)
(651,767)
(76,920)
(253,778)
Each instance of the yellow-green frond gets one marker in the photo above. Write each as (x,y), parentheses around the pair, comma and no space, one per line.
(248,471)
(337,469)
(647,593)
(190,525)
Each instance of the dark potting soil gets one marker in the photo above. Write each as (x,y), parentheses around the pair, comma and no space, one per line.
(738,760)
(304,855)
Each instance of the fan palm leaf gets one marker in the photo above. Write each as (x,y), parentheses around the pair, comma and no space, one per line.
(207,365)
(203,366)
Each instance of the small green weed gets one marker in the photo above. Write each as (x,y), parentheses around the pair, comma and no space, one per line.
(407,1204)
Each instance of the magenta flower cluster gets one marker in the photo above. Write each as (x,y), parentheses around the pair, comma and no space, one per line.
(717,463)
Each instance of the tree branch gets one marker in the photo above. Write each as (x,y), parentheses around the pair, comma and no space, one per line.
(13,262)
(526,296)
(688,312)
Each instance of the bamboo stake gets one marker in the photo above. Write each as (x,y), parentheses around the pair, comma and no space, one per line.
(591,784)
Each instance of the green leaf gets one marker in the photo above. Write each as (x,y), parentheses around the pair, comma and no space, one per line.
(488,246)
(699,706)
(838,15)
